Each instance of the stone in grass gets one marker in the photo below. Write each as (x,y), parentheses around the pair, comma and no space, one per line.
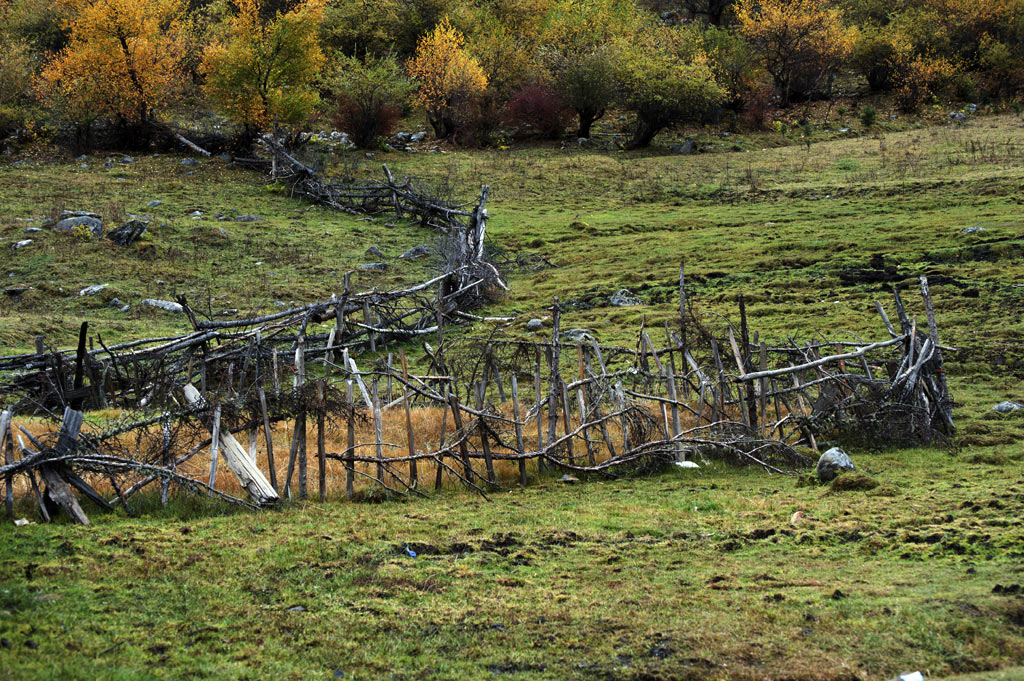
(374,252)
(154,204)
(624,298)
(832,463)
(535,325)
(1007,407)
(248,218)
(577,335)
(568,479)
(68,225)
(850,481)
(166,305)
(374,267)
(92,290)
(416,252)
(21,244)
(191,162)
(972,230)
(118,305)
(129,232)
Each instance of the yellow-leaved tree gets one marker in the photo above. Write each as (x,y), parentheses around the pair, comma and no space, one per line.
(120,61)
(263,72)
(449,78)
(800,43)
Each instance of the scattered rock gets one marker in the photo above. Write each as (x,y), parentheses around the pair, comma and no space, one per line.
(166,305)
(154,204)
(248,218)
(128,233)
(126,160)
(832,462)
(535,324)
(972,230)
(403,137)
(418,137)
(416,252)
(374,267)
(190,162)
(686,148)
(624,298)
(118,305)
(844,130)
(32,230)
(297,608)
(68,225)
(374,252)
(92,290)
(21,244)
(1007,407)
(851,481)
(226,157)
(576,335)
(568,479)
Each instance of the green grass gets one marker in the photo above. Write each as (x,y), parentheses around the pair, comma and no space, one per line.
(678,576)
(671,577)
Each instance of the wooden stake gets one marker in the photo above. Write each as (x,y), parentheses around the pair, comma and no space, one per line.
(321,450)
(214,446)
(520,449)
(267,436)
(413,473)
(350,473)
(488,461)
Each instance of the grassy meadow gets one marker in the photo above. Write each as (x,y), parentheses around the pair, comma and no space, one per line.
(713,575)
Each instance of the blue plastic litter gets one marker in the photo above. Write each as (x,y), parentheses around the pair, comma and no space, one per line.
(412,554)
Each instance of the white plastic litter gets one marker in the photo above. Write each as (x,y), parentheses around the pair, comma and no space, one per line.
(911,676)
(687,464)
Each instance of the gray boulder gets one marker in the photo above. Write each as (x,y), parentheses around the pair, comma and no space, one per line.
(535,324)
(248,218)
(1007,407)
(374,267)
(125,160)
(154,204)
(92,290)
(165,305)
(128,233)
(416,252)
(972,230)
(118,305)
(686,148)
(68,225)
(374,252)
(190,162)
(832,463)
(32,230)
(417,137)
(21,244)
(403,137)
(624,298)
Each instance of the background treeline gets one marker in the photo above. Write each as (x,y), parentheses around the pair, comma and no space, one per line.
(480,68)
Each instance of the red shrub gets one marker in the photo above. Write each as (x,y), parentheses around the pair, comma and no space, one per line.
(540,109)
(365,124)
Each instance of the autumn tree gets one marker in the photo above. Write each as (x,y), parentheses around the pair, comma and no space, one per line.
(664,79)
(449,78)
(579,53)
(17,66)
(120,61)
(799,42)
(263,71)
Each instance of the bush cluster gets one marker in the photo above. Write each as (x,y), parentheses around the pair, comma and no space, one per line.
(537,67)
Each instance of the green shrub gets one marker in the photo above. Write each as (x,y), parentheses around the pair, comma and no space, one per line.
(868,116)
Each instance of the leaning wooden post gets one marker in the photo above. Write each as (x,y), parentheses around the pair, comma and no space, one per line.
(541,464)
(554,377)
(350,472)
(444,432)
(7,448)
(214,447)
(488,461)
(463,449)
(378,433)
(567,417)
(413,473)
(321,450)
(682,305)
(670,382)
(520,449)
(267,436)
(368,321)
(582,402)
(165,456)
(300,394)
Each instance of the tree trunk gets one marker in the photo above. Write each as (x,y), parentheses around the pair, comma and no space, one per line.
(587,119)
(643,133)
